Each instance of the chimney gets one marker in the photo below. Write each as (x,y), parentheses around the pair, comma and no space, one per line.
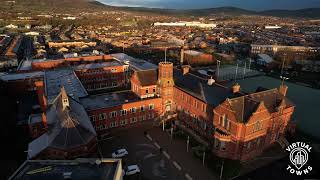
(44,120)
(236,88)
(41,94)
(185,69)
(283,90)
(182,56)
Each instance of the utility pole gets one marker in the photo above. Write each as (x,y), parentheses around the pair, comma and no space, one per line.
(188,144)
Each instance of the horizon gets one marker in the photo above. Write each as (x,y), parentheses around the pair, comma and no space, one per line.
(205,4)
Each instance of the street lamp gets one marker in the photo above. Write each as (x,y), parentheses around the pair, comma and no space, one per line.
(283,79)
(218,69)
(221,169)
(188,141)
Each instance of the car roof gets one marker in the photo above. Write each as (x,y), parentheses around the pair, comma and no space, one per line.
(132,167)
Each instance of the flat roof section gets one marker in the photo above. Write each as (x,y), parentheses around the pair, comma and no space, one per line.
(111,63)
(21,76)
(108,100)
(54,80)
(103,169)
(134,63)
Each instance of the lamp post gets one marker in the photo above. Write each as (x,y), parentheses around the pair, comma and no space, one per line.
(221,169)
(283,79)
(218,69)
(162,125)
(203,157)
(235,78)
(188,141)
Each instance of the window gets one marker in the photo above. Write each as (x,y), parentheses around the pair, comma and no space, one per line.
(151,106)
(257,126)
(123,112)
(113,114)
(92,118)
(142,108)
(147,91)
(100,116)
(154,90)
(134,110)
(104,116)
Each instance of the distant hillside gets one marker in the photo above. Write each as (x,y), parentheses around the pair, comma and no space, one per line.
(232,11)
(301,13)
(50,5)
(94,5)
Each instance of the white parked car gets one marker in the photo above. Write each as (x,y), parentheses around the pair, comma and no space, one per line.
(132,169)
(120,153)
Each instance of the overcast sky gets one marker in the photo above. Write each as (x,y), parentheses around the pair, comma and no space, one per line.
(246,4)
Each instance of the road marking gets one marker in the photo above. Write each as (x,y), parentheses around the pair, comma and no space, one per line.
(177,165)
(188,176)
(157,145)
(149,137)
(166,154)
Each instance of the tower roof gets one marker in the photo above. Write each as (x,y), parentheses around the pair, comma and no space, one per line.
(67,127)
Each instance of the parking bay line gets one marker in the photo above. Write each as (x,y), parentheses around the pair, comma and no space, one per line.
(188,176)
(166,154)
(177,165)
(157,145)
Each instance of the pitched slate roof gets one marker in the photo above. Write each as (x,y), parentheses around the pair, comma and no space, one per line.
(246,105)
(198,87)
(147,78)
(67,127)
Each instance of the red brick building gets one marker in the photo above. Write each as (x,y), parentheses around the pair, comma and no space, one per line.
(238,125)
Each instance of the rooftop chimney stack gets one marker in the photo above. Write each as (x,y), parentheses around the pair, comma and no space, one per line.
(185,69)
(182,56)
(236,88)
(283,90)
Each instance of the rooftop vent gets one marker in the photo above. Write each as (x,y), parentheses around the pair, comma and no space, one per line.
(211,81)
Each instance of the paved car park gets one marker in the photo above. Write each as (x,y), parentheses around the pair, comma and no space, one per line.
(141,151)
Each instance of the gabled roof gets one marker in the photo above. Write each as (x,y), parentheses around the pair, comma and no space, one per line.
(245,106)
(147,78)
(67,127)
(196,86)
